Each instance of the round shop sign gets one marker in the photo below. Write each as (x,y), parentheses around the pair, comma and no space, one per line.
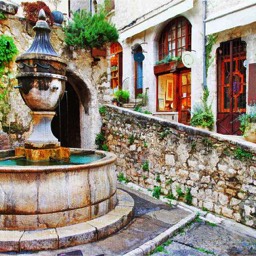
(187,59)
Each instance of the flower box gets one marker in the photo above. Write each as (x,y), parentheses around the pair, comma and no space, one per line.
(99,52)
(167,67)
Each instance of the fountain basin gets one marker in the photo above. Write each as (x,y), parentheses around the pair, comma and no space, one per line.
(38,197)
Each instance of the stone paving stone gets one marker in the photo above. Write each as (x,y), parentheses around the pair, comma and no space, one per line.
(217,240)
(136,233)
(168,216)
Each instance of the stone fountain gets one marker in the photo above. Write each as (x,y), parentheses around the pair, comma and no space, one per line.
(45,206)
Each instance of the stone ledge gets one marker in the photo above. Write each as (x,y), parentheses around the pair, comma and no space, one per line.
(73,235)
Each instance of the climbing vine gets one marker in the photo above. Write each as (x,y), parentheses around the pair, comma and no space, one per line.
(211,40)
(8,50)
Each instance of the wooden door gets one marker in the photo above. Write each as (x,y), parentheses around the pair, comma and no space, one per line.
(231,86)
(184,94)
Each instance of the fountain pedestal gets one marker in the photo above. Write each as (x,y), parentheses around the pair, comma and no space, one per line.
(42,136)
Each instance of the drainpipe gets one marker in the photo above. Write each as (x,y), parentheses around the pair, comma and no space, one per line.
(204,43)
(90,6)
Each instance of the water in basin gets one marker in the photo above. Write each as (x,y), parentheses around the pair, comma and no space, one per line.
(75,159)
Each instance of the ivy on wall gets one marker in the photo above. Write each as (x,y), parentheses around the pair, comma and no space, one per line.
(8,51)
(211,40)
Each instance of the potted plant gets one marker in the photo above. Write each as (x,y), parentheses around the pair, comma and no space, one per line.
(167,64)
(90,31)
(122,96)
(248,124)
(202,115)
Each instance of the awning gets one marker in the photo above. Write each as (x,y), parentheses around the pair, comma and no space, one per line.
(156,17)
(240,15)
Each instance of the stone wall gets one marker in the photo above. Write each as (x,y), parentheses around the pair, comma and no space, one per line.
(83,72)
(219,171)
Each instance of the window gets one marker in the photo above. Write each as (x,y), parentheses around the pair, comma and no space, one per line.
(175,38)
(173,79)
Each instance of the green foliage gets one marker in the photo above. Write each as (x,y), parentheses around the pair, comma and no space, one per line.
(122,178)
(100,141)
(193,145)
(145,166)
(158,178)
(156,192)
(8,50)
(103,110)
(179,192)
(131,139)
(168,59)
(207,142)
(211,40)
(164,134)
(2,16)
(188,196)
(122,96)
(88,31)
(247,118)
(243,155)
(205,251)
(169,182)
(105,147)
(202,113)
(139,109)
(144,99)
(170,196)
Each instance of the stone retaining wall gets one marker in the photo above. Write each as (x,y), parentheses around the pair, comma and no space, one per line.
(219,172)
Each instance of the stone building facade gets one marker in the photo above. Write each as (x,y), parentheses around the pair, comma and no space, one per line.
(229,28)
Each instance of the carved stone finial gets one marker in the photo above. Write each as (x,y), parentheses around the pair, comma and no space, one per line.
(41,15)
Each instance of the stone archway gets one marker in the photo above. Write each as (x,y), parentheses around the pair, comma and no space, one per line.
(72,123)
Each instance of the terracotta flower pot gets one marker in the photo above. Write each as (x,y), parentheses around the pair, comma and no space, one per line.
(250,133)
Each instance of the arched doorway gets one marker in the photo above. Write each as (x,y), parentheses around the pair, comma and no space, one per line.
(138,69)
(66,123)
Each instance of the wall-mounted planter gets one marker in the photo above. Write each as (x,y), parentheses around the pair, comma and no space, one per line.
(167,67)
(99,52)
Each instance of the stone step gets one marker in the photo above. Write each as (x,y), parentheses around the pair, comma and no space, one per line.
(82,233)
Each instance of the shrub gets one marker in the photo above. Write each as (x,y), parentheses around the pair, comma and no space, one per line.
(32,9)
(7,51)
(202,113)
(122,96)
(88,31)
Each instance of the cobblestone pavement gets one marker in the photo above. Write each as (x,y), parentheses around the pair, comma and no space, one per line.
(204,238)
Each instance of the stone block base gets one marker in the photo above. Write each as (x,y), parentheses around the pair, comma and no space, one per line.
(35,155)
(86,232)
